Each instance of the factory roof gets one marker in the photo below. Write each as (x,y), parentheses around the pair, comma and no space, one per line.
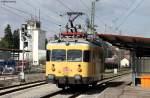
(13,50)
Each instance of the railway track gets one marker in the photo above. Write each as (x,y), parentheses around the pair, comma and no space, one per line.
(73,93)
(14,88)
(67,93)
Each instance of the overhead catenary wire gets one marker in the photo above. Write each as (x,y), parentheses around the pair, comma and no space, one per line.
(52,10)
(88,9)
(13,12)
(123,13)
(130,6)
(20,16)
(64,5)
(130,13)
(24,12)
(50,29)
(118,18)
(45,14)
(106,25)
(44,19)
(49,21)
(96,17)
(30,5)
(9,8)
(27,13)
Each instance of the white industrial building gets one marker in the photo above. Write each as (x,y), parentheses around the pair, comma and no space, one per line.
(124,62)
(32,39)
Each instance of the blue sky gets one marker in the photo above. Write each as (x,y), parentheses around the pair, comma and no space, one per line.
(132,17)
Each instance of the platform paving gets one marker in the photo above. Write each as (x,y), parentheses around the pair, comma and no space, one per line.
(127,91)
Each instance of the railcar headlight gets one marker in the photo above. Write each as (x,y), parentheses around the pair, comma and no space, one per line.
(79,68)
(53,67)
(78,77)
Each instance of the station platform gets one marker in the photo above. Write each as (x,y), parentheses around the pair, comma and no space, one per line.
(126,90)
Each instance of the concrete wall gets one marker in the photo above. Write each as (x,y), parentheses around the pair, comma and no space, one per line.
(41,41)
(35,45)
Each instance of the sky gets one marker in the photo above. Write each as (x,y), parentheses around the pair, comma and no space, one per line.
(126,17)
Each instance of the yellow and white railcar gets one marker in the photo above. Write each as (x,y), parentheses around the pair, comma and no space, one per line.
(71,63)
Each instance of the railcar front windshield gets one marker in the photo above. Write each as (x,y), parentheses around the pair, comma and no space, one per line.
(74,55)
(58,55)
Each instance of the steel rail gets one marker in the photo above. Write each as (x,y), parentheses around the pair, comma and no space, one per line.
(15,88)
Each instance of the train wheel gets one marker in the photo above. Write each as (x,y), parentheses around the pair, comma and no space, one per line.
(94,83)
(61,86)
(84,86)
(74,86)
(102,77)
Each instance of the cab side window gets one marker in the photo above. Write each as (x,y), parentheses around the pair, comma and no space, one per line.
(86,56)
(48,55)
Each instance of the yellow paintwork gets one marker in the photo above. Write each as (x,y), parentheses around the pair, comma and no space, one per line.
(72,69)
(86,47)
(89,69)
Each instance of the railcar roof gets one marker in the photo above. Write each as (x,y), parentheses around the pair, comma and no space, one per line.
(79,42)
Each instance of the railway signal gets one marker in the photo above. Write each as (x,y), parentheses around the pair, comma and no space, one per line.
(24,36)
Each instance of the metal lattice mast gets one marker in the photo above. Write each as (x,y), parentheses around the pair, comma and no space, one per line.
(92,16)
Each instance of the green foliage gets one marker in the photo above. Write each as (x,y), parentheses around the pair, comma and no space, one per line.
(4,43)
(8,36)
(16,39)
(10,40)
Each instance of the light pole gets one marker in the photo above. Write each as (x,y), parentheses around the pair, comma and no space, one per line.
(22,75)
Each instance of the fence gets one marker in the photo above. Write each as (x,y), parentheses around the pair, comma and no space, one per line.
(142,65)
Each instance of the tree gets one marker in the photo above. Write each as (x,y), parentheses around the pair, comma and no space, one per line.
(10,40)
(16,39)
(6,41)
